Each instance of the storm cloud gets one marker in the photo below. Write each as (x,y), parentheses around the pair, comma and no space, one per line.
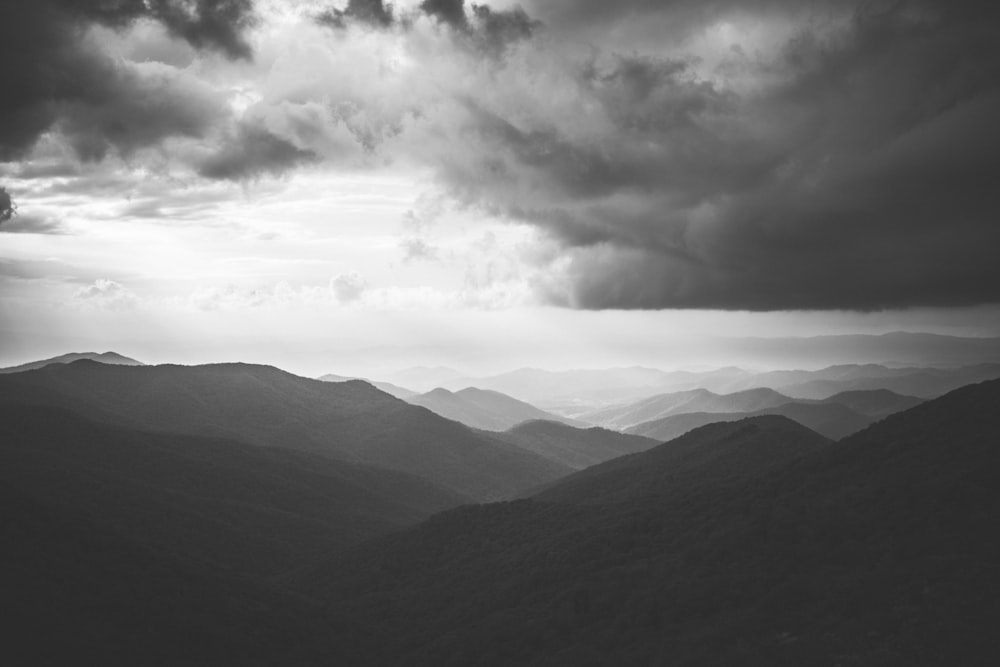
(55,71)
(847,163)
(764,155)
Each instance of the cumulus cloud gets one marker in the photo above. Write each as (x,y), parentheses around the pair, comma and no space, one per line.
(348,287)
(763,155)
(107,294)
(54,70)
(255,151)
(370,12)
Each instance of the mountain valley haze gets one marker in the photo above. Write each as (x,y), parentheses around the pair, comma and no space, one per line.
(505,333)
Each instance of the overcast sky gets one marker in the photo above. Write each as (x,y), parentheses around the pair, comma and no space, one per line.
(356,186)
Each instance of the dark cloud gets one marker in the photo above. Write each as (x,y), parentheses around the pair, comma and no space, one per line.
(8,209)
(53,71)
(488,31)
(368,12)
(495,30)
(451,12)
(253,152)
(852,169)
(31,224)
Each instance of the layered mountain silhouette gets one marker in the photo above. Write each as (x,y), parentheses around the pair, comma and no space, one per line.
(574,447)
(483,408)
(102,357)
(575,392)
(232,514)
(251,510)
(696,400)
(832,420)
(874,550)
(712,455)
(261,405)
(874,403)
(389,388)
(667,416)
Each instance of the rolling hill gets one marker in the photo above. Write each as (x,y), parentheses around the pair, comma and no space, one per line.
(482,408)
(102,357)
(622,417)
(241,508)
(574,447)
(832,420)
(393,390)
(710,456)
(261,405)
(875,550)
(75,591)
(874,403)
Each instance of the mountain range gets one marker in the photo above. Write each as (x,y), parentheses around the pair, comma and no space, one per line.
(261,405)
(483,408)
(253,510)
(102,357)
(667,416)
(574,447)
(223,514)
(873,550)
(575,392)
(389,388)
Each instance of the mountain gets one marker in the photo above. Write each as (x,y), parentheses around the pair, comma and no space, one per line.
(532,384)
(261,405)
(833,420)
(423,378)
(102,357)
(76,592)
(875,550)
(575,392)
(709,455)
(252,510)
(574,447)
(622,417)
(893,348)
(919,382)
(481,408)
(401,393)
(875,403)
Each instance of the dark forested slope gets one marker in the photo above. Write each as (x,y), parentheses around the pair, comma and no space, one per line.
(241,508)
(575,447)
(351,421)
(876,550)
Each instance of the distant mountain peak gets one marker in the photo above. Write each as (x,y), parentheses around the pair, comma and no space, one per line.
(108,358)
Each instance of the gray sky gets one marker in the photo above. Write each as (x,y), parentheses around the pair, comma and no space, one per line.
(350,186)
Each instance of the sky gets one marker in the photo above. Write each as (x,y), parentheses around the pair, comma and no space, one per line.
(354,187)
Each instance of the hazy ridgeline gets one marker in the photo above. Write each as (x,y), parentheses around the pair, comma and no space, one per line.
(238,514)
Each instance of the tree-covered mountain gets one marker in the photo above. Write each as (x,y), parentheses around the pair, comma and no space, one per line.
(712,455)
(835,417)
(78,592)
(389,388)
(622,417)
(572,446)
(874,403)
(832,420)
(240,508)
(102,357)
(876,550)
(482,408)
(261,405)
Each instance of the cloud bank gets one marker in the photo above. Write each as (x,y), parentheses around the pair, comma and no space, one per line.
(767,155)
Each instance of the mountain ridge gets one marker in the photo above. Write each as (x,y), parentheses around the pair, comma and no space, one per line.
(350,421)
